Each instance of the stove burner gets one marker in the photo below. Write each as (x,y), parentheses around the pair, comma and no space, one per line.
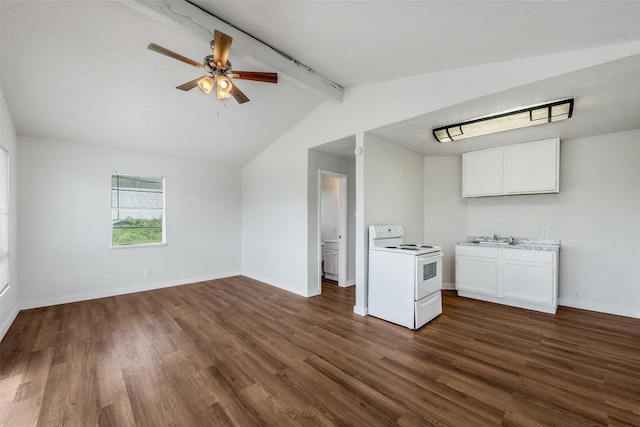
(409,247)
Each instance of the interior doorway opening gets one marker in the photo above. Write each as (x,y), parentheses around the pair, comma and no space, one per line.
(332,227)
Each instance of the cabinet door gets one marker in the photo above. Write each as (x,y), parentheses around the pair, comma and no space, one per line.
(533,167)
(336,263)
(527,281)
(476,274)
(329,262)
(483,172)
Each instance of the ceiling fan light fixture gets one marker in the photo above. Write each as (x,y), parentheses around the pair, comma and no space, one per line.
(223,95)
(219,74)
(223,84)
(529,116)
(205,84)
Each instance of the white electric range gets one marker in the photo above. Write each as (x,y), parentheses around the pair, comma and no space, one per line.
(405,279)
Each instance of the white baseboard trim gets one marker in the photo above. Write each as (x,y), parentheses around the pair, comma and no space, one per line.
(270,282)
(362,311)
(601,308)
(449,286)
(350,282)
(550,309)
(122,291)
(313,292)
(8,322)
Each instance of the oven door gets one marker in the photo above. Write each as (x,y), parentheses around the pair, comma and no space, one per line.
(428,274)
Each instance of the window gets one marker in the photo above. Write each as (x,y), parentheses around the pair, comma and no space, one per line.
(137,210)
(4,220)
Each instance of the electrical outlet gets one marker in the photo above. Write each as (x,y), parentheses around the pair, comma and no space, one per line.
(545,232)
(576,294)
(146,272)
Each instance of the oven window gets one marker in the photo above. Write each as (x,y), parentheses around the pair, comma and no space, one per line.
(429,271)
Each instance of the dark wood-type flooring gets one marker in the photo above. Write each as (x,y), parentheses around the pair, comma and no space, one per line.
(238,352)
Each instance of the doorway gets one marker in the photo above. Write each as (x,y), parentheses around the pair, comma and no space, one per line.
(332,227)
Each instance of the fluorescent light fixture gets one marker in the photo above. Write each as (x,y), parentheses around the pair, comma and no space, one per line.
(530,116)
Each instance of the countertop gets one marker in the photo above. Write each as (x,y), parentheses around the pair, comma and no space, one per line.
(525,243)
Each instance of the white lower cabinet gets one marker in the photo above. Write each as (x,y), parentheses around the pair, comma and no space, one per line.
(477,270)
(330,261)
(517,277)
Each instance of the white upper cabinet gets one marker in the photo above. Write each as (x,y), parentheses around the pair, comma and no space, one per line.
(483,173)
(532,167)
(529,168)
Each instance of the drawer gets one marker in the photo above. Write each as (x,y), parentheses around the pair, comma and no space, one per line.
(526,255)
(428,308)
(477,251)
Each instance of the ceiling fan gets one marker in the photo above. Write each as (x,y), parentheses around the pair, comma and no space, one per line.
(219,70)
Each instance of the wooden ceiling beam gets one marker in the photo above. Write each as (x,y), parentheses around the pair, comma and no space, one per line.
(245,47)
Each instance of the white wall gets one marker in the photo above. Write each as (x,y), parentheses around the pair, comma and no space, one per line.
(596,215)
(445,211)
(393,193)
(394,187)
(65,223)
(10,301)
(274,184)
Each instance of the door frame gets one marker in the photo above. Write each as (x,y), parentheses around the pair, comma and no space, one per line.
(342,223)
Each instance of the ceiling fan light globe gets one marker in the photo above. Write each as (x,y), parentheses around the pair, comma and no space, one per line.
(223,95)
(223,84)
(205,84)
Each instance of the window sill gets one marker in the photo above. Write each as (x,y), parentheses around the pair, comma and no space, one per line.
(146,245)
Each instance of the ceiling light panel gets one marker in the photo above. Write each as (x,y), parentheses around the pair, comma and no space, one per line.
(530,116)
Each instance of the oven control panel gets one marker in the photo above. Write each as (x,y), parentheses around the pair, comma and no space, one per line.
(385,231)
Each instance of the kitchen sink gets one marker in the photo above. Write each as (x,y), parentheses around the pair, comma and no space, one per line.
(492,242)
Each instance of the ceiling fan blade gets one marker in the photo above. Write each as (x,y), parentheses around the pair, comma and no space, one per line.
(256,76)
(189,85)
(160,49)
(221,47)
(238,95)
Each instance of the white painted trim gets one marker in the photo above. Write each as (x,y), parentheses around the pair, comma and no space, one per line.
(362,311)
(449,286)
(268,281)
(122,291)
(313,293)
(601,308)
(349,283)
(342,223)
(7,323)
(550,309)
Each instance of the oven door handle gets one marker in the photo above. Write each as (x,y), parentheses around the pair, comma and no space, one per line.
(429,258)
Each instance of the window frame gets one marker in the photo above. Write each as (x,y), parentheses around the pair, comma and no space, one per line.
(6,212)
(164,211)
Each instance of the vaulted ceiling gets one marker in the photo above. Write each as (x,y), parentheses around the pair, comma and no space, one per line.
(80,71)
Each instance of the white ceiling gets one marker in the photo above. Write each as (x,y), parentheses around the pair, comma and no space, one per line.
(606,100)
(80,71)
